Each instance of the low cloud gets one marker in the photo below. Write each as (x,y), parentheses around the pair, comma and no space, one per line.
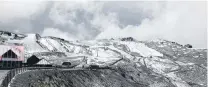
(11,10)
(182,21)
(57,33)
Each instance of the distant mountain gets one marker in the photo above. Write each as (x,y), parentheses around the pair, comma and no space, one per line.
(159,63)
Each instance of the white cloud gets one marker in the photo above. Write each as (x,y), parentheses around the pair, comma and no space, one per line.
(57,33)
(10,10)
(183,22)
(78,18)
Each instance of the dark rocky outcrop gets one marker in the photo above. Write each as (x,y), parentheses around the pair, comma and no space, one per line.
(188,45)
(127,39)
(87,78)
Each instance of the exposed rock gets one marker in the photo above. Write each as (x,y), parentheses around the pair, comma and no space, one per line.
(188,45)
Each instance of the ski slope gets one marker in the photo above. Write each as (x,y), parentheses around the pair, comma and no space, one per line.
(31,45)
(142,49)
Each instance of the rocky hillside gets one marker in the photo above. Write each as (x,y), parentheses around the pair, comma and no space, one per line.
(158,63)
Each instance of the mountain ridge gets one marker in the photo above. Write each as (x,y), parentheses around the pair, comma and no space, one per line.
(184,67)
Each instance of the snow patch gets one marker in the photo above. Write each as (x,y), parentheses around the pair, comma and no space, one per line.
(142,49)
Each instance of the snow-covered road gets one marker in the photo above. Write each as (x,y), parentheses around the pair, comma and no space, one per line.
(3,74)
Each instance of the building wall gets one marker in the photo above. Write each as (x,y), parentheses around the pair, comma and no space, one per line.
(18,50)
(11,61)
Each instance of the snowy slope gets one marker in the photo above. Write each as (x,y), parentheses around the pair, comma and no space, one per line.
(142,49)
(31,45)
(177,65)
(44,42)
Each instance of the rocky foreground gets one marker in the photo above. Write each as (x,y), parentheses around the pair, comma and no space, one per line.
(126,75)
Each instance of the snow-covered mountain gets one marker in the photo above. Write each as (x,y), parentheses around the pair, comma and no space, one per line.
(160,63)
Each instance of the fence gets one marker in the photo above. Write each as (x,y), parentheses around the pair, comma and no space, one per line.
(10,75)
(7,79)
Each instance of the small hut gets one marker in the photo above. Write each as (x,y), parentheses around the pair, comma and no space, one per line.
(32,60)
(38,62)
(68,64)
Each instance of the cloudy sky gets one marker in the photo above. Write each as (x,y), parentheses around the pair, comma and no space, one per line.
(183,22)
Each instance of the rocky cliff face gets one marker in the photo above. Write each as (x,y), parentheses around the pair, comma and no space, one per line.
(158,63)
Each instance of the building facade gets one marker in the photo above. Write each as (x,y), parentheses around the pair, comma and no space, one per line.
(11,56)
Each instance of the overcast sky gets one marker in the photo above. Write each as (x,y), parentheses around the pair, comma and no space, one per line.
(183,22)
